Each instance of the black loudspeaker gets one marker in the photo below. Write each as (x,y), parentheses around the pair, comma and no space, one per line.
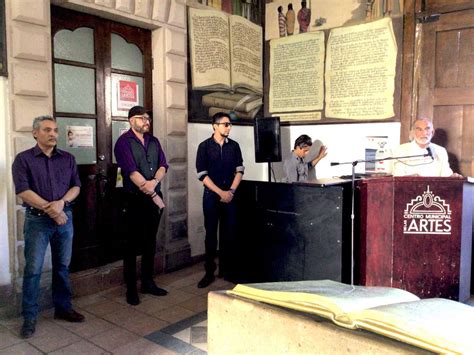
(267,139)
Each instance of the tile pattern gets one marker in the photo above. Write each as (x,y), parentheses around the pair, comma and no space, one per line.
(185,336)
(173,324)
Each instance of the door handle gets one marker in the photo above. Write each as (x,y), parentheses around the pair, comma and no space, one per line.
(102,183)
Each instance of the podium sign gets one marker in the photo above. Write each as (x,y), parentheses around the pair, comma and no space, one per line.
(428,248)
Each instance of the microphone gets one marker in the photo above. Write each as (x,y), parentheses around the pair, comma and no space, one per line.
(430,153)
(334,163)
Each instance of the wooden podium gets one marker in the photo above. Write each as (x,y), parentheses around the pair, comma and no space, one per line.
(416,234)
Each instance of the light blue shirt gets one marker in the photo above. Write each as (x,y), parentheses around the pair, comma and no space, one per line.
(295,169)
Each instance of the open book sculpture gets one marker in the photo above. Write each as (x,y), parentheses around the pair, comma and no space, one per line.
(436,324)
(226,52)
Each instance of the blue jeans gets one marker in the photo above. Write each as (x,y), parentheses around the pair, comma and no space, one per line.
(38,232)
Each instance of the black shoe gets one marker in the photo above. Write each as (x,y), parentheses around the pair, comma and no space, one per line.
(206,280)
(151,288)
(69,316)
(132,297)
(28,328)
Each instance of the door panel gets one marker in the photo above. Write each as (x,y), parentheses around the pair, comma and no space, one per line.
(454,52)
(98,237)
(446,84)
(447,5)
(449,127)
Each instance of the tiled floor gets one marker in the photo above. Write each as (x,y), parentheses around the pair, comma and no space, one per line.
(173,324)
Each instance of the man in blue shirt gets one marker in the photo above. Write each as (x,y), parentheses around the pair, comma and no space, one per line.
(143,163)
(47,181)
(219,166)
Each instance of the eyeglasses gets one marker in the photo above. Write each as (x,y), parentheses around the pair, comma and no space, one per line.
(226,124)
(143,118)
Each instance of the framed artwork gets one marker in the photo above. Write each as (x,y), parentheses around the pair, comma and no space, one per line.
(226,67)
(320,77)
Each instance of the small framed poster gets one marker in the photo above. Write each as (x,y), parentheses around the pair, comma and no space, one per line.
(127,95)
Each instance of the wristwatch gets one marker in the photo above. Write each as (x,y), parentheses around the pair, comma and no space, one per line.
(232,191)
(66,203)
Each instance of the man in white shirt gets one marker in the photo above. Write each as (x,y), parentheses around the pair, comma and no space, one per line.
(434,163)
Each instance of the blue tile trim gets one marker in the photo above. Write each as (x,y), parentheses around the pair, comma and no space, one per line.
(185,323)
(164,337)
(174,344)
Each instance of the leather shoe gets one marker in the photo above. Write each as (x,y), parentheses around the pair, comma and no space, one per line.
(206,281)
(69,316)
(151,288)
(28,328)
(132,297)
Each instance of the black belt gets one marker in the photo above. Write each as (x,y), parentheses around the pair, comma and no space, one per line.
(35,212)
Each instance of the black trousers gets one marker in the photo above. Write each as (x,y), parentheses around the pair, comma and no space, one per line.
(222,216)
(142,218)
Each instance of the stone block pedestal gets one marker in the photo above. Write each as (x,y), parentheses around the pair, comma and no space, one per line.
(236,326)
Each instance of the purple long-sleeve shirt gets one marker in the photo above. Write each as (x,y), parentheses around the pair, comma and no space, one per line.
(124,153)
(49,177)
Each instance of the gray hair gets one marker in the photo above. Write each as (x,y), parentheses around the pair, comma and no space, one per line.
(411,136)
(39,119)
(425,119)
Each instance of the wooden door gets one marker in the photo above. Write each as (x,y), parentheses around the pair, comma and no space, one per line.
(91,58)
(446,87)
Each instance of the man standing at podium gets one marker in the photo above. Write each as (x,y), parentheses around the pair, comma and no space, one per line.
(431,160)
(295,167)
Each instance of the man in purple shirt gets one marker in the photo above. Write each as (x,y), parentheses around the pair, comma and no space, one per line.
(143,166)
(47,181)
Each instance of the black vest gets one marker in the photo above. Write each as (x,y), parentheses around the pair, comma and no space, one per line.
(147,162)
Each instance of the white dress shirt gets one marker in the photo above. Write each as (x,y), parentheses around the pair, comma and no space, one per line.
(422,166)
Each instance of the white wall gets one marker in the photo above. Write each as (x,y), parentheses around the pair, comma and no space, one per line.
(345,142)
(5,276)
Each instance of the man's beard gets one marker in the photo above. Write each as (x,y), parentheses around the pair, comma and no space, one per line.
(424,140)
(142,129)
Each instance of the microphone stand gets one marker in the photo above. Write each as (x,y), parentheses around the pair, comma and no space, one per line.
(354,164)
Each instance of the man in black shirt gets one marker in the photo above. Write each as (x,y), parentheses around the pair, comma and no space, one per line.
(219,166)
